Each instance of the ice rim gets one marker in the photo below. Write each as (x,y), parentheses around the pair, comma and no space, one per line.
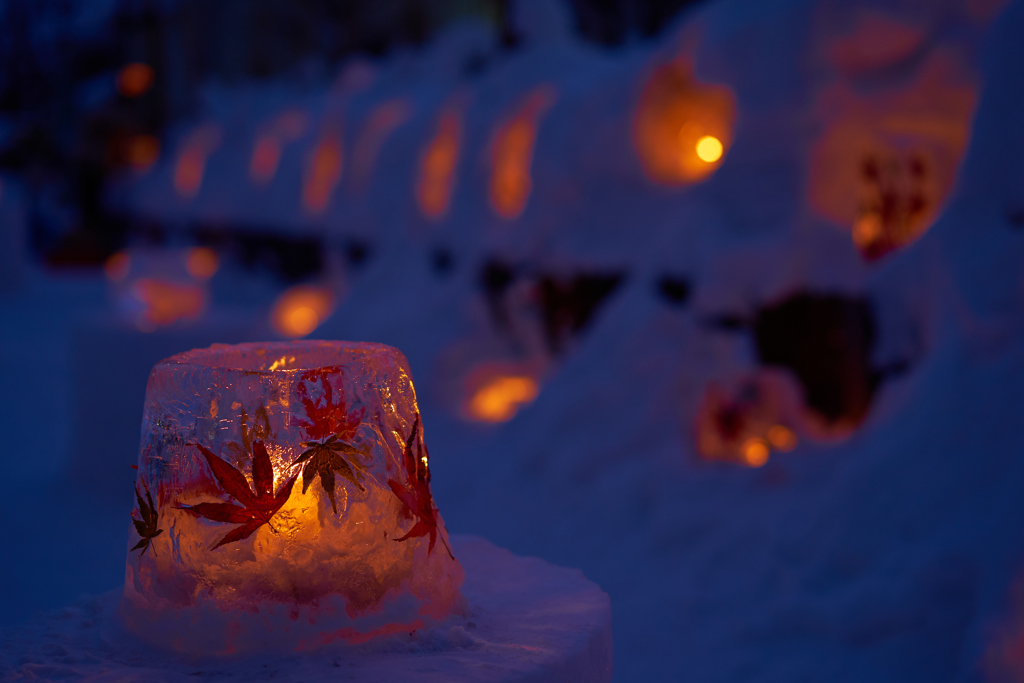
(356,398)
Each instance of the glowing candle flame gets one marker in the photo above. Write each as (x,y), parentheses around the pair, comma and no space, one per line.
(709,149)
(501,398)
(755,452)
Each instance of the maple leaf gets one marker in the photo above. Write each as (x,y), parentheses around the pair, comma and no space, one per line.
(325,418)
(147,526)
(419,504)
(325,459)
(258,504)
(328,424)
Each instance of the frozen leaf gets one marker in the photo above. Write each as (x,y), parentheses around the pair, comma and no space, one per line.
(419,504)
(147,526)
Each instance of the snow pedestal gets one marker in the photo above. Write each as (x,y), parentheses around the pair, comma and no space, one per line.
(283,502)
(525,620)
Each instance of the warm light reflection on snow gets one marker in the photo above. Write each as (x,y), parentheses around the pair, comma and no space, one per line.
(512,153)
(438,163)
(300,309)
(499,399)
(266,153)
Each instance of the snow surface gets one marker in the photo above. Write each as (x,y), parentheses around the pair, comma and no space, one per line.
(526,620)
(894,555)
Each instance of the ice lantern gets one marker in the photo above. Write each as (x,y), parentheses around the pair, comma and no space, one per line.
(283,502)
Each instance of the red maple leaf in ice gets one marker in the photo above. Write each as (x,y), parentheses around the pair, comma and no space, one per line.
(419,504)
(325,417)
(330,426)
(258,504)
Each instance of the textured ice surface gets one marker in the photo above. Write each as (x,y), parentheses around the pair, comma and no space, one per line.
(283,500)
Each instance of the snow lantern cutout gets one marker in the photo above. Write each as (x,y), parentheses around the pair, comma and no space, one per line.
(266,152)
(153,288)
(323,171)
(682,128)
(435,181)
(512,153)
(384,120)
(887,160)
(283,502)
(195,149)
(495,391)
(746,422)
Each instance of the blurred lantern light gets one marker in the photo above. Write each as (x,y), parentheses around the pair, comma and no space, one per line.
(191,165)
(436,179)
(512,153)
(682,128)
(117,266)
(142,152)
(500,398)
(382,122)
(755,452)
(782,438)
(709,149)
(322,173)
(165,303)
(135,79)
(300,309)
(887,160)
(201,262)
(266,153)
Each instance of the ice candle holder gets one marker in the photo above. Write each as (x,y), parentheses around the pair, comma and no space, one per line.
(283,502)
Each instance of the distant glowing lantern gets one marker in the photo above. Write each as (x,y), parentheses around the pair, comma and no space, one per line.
(201,262)
(887,160)
(512,153)
(436,178)
(323,173)
(283,502)
(191,164)
(381,123)
(142,152)
(300,309)
(682,128)
(135,79)
(154,288)
(500,397)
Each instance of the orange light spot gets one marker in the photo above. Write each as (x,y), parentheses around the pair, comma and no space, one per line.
(782,438)
(709,149)
(437,165)
(265,157)
(512,154)
(201,262)
(167,302)
(117,266)
(755,452)
(322,174)
(381,123)
(300,309)
(682,128)
(188,172)
(135,79)
(142,152)
(501,398)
